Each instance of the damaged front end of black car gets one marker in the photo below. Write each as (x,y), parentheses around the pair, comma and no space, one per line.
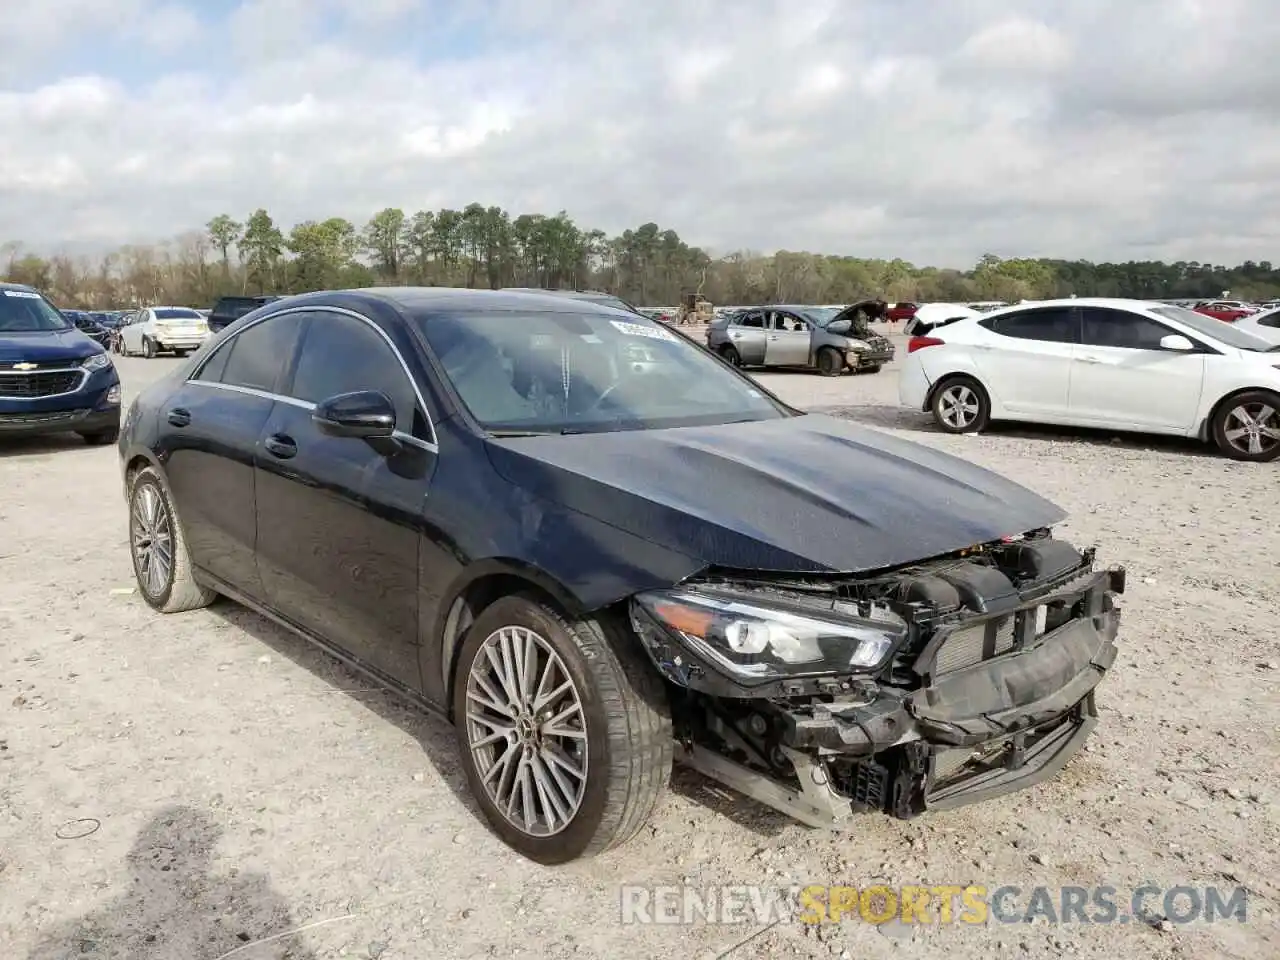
(925,687)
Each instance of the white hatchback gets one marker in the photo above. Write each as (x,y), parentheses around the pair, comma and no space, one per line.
(178,330)
(1126,365)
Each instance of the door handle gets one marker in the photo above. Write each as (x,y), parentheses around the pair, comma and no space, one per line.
(1090,359)
(774,337)
(280,446)
(179,417)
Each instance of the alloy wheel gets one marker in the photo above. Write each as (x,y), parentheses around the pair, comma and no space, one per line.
(958,406)
(526,731)
(151,530)
(1253,428)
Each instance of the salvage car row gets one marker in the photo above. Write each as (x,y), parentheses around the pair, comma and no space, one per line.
(507,518)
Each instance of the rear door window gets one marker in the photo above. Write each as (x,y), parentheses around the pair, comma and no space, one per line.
(256,358)
(1048,325)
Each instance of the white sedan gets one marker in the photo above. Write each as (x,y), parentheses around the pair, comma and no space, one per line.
(157,329)
(1265,325)
(1127,365)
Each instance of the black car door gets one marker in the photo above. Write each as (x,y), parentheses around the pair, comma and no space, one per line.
(338,522)
(208,438)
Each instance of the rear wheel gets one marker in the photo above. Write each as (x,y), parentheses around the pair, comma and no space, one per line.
(960,405)
(1247,426)
(830,363)
(160,559)
(729,354)
(148,348)
(564,729)
(101,438)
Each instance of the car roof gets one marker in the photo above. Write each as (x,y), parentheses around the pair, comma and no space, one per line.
(417,300)
(1115,303)
(6,285)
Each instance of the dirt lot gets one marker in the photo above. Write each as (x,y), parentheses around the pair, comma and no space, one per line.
(239,784)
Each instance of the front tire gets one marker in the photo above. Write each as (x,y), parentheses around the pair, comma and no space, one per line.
(563,727)
(830,363)
(1247,427)
(961,405)
(159,549)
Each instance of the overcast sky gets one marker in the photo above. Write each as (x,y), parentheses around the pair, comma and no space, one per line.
(934,130)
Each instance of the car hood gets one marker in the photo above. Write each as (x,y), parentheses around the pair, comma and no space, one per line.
(806,493)
(44,345)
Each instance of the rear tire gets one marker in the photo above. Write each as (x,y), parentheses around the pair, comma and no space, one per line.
(621,727)
(730,355)
(154,523)
(960,405)
(149,348)
(1232,431)
(830,363)
(102,437)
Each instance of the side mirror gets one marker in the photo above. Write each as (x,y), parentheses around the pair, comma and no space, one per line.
(363,415)
(840,326)
(1176,341)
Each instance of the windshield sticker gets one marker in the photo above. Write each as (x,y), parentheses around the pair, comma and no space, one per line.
(542,340)
(25,294)
(640,330)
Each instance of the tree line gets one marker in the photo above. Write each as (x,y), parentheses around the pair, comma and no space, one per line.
(479,246)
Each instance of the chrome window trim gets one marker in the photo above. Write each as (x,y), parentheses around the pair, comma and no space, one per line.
(84,378)
(432,444)
(302,405)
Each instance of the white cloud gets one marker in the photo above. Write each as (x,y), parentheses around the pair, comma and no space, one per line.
(1019,45)
(931,130)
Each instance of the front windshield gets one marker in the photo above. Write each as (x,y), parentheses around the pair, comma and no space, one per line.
(821,316)
(24,311)
(1218,330)
(580,372)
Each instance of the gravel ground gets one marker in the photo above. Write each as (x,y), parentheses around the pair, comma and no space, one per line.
(239,784)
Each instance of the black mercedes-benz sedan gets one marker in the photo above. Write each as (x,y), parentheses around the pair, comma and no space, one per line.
(595,567)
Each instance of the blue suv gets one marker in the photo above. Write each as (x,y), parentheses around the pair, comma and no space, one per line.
(53,378)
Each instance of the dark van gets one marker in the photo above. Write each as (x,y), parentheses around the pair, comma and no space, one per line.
(230,309)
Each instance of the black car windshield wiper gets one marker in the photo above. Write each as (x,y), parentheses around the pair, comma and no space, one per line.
(502,434)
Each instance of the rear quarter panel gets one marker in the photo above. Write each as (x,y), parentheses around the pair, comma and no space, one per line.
(956,355)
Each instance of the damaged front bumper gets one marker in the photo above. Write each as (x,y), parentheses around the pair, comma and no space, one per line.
(995,701)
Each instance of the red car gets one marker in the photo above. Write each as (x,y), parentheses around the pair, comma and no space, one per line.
(901,311)
(1227,310)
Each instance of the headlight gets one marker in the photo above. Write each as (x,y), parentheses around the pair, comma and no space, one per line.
(855,345)
(99,361)
(759,641)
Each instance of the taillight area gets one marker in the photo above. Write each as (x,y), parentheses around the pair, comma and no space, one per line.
(919,343)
